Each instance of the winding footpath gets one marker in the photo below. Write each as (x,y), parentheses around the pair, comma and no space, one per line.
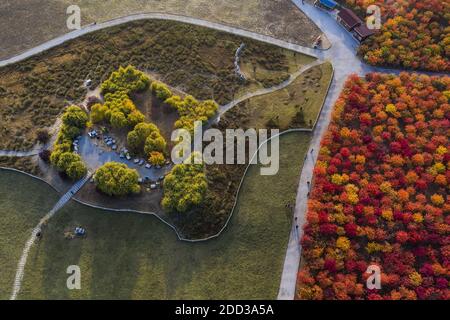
(11,153)
(342,55)
(34,234)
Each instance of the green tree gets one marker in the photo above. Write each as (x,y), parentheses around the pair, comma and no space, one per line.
(135,117)
(74,116)
(161,91)
(116,179)
(174,101)
(155,142)
(118,120)
(98,113)
(184,187)
(59,149)
(156,158)
(126,79)
(136,138)
(66,159)
(76,170)
(68,133)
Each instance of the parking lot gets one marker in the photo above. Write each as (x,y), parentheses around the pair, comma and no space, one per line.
(97,149)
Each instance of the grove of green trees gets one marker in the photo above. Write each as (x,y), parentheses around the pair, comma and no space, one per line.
(118,109)
(74,121)
(191,110)
(146,137)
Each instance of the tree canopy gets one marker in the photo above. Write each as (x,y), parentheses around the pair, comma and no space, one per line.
(160,90)
(128,80)
(137,137)
(191,110)
(414,34)
(74,121)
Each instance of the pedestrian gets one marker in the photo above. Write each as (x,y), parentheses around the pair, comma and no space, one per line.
(312,150)
(303,1)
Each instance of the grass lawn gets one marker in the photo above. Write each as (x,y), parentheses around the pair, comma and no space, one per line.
(308,92)
(23,202)
(134,256)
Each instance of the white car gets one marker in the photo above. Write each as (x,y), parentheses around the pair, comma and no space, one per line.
(148,166)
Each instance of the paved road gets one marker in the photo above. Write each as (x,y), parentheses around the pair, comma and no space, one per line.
(26,250)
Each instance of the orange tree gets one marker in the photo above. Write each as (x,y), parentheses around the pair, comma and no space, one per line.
(414,35)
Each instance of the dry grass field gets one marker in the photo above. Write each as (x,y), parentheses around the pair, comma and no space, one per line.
(27,23)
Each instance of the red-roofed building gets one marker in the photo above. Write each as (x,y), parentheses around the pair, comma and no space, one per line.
(352,23)
(348,19)
(361,32)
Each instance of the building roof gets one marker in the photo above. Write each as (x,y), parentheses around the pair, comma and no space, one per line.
(328,3)
(363,31)
(349,17)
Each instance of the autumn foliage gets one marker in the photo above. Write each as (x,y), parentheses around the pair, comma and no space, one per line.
(415,34)
(380,193)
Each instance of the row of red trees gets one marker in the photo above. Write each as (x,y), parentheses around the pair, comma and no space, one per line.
(380,194)
(415,34)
